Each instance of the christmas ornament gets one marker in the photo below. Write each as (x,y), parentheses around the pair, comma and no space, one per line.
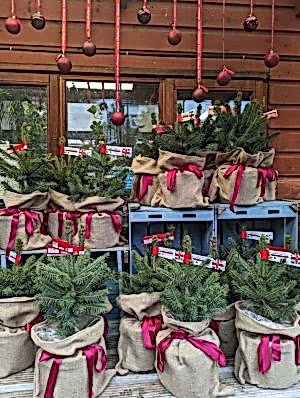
(88,47)
(174,36)
(12,24)
(64,64)
(200,92)
(117,118)
(37,19)
(251,22)
(224,76)
(272,57)
(144,14)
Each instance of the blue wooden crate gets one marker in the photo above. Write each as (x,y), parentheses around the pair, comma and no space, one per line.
(279,217)
(144,221)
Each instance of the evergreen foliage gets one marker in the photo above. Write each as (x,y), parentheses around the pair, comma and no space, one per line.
(265,288)
(193,294)
(147,147)
(72,289)
(19,280)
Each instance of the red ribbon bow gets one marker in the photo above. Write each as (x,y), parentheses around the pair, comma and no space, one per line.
(264,175)
(150,327)
(142,185)
(240,168)
(208,348)
(171,176)
(28,326)
(91,353)
(30,217)
(215,326)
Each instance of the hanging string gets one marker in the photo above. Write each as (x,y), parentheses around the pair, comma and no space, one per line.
(273,24)
(13,8)
(199,43)
(145,3)
(88,18)
(64,27)
(251,7)
(174,23)
(117,54)
(223,30)
(38,5)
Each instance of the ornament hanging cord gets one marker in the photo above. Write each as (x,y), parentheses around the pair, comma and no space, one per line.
(38,5)
(200,46)
(88,18)
(12,8)
(223,31)
(117,54)
(251,7)
(273,24)
(64,27)
(174,22)
(145,5)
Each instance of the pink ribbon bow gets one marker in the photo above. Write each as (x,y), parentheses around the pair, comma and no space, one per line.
(142,185)
(30,217)
(208,348)
(171,176)
(264,175)
(150,327)
(91,353)
(240,168)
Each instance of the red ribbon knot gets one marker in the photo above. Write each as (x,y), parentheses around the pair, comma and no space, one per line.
(171,176)
(208,348)
(150,327)
(264,175)
(239,168)
(142,185)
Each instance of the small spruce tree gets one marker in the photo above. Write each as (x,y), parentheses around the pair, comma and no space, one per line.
(73,289)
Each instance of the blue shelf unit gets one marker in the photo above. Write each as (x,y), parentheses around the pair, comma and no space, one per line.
(144,221)
(279,217)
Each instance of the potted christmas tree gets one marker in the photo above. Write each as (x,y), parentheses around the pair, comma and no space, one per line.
(71,359)
(19,310)
(267,325)
(188,353)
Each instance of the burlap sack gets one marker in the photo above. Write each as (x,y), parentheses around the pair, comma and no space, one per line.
(94,203)
(250,189)
(223,324)
(145,181)
(281,374)
(188,372)
(30,242)
(187,189)
(33,201)
(72,380)
(17,351)
(133,356)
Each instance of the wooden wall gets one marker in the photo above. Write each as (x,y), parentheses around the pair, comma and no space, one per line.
(146,52)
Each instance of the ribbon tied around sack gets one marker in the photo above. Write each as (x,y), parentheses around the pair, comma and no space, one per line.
(264,175)
(269,350)
(142,185)
(28,326)
(30,217)
(208,348)
(91,354)
(171,175)
(150,327)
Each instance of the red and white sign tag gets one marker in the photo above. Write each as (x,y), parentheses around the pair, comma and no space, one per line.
(148,240)
(76,151)
(119,151)
(14,257)
(60,247)
(271,114)
(256,235)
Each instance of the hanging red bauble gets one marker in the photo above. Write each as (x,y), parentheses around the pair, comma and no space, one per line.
(250,23)
(144,14)
(200,94)
(224,76)
(64,63)
(37,19)
(174,36)
(13,25)
(88,47)
(118,118)
(271,59)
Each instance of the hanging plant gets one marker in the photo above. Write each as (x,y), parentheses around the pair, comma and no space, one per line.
(144,13)
(88,47)
(12,24)
(251,22)
(175,35)
(118,117)
(200,91)
(64,63)
(272,57)
(224,76)
(37,19)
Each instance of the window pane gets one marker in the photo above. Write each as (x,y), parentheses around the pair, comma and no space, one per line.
(140,105)
(24,109)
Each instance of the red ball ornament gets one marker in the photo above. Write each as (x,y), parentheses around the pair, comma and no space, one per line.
(89,48)
(38,21)
(174,37)
(144,15)
(250,24)
(199,94)
(118,118)
(224,76)
(13,25)
(271,59)
(64,63)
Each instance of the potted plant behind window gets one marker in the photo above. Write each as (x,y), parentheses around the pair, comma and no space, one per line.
(73,296)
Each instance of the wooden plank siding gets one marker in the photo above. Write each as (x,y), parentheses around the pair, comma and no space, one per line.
(145,52)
